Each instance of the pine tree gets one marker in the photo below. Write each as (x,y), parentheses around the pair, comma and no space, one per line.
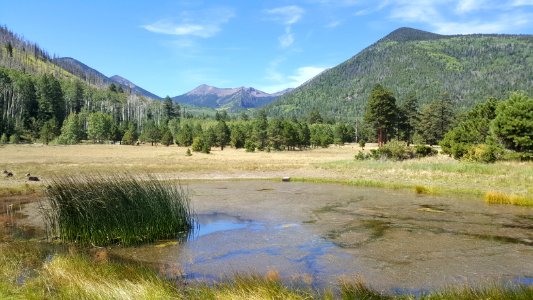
(71,131)
(513,124)
(222,133)
(381,113)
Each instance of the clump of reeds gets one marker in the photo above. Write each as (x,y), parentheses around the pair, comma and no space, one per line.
(421,189)
(122,209)
(501,198)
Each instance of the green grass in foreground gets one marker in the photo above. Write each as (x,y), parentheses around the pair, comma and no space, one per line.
(120,209)
(28,272)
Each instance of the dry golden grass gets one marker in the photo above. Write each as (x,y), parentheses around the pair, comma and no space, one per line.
(436,175)
(501,198)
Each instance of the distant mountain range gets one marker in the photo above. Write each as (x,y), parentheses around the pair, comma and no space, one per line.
(93,76)
(232,99)
(467,68)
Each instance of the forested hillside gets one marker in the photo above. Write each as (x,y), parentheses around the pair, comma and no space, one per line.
(36,93)
(468,69)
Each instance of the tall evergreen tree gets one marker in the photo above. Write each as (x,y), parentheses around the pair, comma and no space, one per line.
(408,118)
(260,130)
(50,99)
(435,120)
(72,129)
(222,133)
(513,124)
(381,113)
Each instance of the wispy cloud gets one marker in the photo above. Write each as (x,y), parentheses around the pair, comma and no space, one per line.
(288,16)
(202,24)
(281,82)
(457,16)
(333,24)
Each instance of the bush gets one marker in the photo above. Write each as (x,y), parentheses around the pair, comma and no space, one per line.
(197,144)
(395,150)
(423,151)
(362,156)
(14,138)
(519,156)
(485,153)
(3,138)
(362,143)
(250,146)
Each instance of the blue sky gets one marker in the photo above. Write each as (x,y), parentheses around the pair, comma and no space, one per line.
(170,47)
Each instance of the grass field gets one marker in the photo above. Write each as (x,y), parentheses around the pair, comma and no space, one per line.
(439,175)
(28,271)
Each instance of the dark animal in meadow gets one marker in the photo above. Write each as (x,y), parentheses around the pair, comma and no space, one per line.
(7,173)
(32,178)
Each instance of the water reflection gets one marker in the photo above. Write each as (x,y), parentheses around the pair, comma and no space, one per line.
(394,240)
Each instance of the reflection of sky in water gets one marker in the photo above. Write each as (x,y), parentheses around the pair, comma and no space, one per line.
(524,280)
(215,222)
(215,249)
(327,232)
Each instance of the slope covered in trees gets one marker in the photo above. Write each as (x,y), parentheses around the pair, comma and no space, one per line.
(467,68)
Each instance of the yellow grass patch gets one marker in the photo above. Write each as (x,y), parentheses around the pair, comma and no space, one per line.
(501,198)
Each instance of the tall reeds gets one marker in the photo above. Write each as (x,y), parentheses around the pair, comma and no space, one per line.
(122,209)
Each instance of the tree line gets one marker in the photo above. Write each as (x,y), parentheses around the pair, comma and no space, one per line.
(481,134)
(35,107)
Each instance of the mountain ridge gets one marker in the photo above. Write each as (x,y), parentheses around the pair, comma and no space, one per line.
(232,99)
(467,68)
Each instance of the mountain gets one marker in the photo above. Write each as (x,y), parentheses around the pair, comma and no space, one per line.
(93,76)
(232,99)
(81,71)
(20,54)
(130,85)
(467,68)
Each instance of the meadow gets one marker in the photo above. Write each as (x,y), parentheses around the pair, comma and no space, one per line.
(438,175)
(27,269)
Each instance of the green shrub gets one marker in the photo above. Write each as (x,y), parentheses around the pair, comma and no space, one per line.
(517,156)
(395,150)
(14,138)
(98,210)
(486,153)
(362,155)
(250,146)
(423,151)
(3,138)
(362,143)
(197,144)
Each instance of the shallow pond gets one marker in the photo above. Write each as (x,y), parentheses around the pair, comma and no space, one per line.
(316,234)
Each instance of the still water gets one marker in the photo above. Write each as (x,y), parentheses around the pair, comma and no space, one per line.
(318,234)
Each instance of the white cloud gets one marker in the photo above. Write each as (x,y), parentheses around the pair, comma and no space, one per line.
(282,82)
(459,16)
(287,15)
(504,23)
(287,39)
(202,24)
(522,3)
(466,6)
(333,24)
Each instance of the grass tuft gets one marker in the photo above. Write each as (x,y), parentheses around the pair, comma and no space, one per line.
(501,198)
(420,189)
(125,210)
